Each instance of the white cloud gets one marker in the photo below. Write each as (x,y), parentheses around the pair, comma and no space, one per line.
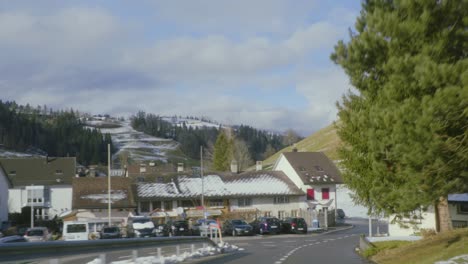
(91,59)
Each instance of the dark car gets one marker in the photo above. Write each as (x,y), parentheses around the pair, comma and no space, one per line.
(12,239)
(237,227)
(266,225)
(178,228)
(295,225)
(110,232)
(341,214)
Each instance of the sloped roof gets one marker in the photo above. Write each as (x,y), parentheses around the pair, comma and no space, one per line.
(258,183)
(92,193)
(314,167)
(45,171)
(458,197)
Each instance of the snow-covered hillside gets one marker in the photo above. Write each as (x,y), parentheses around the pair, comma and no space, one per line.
(193,123)
(138,145)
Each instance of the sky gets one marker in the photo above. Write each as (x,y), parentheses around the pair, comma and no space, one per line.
(263,63)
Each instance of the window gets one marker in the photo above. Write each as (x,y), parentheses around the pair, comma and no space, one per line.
(280,214)
(463,208)
(156,205)
(216,202)
(186,203)
(281,200)
(160,179)
(293,213)
(144,206)
(310,194)
(58,172)
(140,179)
(244,202)
(167,205)
(325,193)
(12,173)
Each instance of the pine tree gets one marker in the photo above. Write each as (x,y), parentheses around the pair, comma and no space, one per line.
(222,153)
(405,130)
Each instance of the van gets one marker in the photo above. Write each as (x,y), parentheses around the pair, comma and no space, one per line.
(140,226)
(75,230)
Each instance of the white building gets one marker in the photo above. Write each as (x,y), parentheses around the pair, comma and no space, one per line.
(44,183)
(458,212)
(4,185)
(315,175)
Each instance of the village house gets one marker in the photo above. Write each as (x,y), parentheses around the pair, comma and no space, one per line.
(457,209)
(91,200)
(5,184)
(263,192)
(41,182)
(313,173)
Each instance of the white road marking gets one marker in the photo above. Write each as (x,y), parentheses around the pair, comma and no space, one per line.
(290,241)
(278,262)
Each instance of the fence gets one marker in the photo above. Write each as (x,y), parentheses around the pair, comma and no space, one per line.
(57,249)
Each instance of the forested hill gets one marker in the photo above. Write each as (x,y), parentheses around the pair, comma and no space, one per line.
(55,133)
(192,135)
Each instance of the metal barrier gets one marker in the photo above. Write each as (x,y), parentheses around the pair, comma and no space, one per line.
(55,249)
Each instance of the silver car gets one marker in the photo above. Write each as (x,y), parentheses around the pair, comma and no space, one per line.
(37,234)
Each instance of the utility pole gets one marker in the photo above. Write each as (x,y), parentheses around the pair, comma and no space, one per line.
(31,197)
(109,184)
(202,183)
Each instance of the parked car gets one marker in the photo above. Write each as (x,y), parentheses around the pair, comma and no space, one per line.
(140,226)
(340,213)
(203,226)
(178,228)
(37,234)
(12,239)
(110,232)
(266,225)
(237,227)
(294,225)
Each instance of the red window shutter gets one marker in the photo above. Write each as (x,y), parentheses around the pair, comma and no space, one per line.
(325,193)
(310,194)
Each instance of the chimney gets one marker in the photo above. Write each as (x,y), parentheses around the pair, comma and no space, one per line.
(234,166)
(259,166)
(180,167)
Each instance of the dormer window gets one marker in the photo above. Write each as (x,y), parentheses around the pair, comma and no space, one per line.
(12,173)
(58,172)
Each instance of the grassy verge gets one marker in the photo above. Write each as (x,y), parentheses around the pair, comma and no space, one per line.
(428,250)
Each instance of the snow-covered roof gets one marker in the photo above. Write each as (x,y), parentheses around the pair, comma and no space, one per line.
(92,193)
(263,183)
(458,197)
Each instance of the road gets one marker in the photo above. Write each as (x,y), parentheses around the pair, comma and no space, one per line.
(336,246)
(333,247)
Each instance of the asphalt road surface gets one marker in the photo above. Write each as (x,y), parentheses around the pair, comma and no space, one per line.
(332,247)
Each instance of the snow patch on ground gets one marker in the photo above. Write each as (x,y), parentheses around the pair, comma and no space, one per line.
(202,252)
(455,260)
(140,146)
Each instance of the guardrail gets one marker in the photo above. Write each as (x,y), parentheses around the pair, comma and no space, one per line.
(55,249)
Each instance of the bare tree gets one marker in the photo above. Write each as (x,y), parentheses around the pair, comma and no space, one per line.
(291,137)
(242,154)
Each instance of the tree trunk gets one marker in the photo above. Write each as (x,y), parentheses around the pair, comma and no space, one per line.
(443,220)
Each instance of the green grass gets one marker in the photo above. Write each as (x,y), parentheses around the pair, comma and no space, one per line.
(380,246)
(439,247)
(325,140)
